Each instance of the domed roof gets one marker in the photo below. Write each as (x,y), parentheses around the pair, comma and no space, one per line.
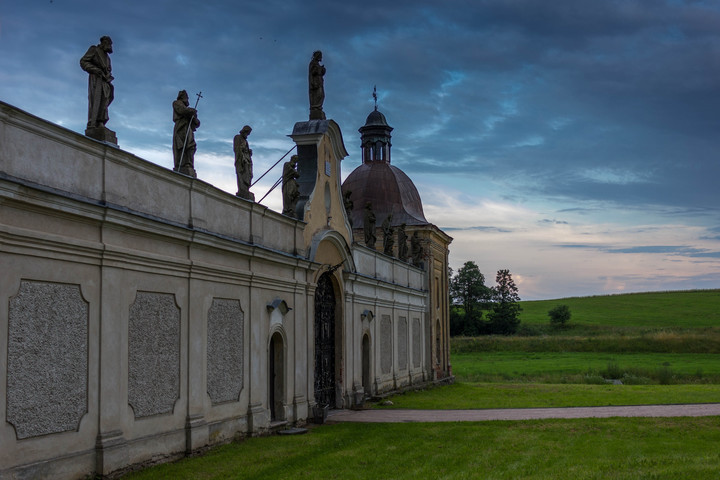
(376,118)
(388,189)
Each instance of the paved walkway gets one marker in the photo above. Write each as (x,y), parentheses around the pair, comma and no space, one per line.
(400,415)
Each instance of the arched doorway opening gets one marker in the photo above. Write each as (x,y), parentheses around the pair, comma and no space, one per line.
(366,365)
(276,378)
(325,342)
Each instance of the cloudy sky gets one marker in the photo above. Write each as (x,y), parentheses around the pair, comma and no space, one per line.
(573,142)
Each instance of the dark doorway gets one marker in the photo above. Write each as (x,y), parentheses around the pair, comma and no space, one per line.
(277,378)
(366,365)
(325,342)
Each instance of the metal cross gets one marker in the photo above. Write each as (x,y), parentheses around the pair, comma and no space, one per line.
(375,95)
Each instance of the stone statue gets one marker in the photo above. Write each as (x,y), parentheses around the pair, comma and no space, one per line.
(184,146)
(388,236)
(290,187)
(316,86)
(348,203)
(369,226)
(402,243)
(416,249)
(96,62)
(243,163)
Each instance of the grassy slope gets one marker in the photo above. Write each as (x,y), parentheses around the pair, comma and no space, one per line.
(684,309)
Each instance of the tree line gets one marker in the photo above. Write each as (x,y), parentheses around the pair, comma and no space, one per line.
(470,298)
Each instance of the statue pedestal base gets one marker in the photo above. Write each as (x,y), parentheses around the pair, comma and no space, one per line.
(188,170)
(247,196)
(103,134)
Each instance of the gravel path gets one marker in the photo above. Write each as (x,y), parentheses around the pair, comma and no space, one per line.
(400,415)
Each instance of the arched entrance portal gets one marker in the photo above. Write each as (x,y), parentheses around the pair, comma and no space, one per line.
(325,342)
(277,378)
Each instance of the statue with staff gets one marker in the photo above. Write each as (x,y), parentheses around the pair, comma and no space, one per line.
(186,122)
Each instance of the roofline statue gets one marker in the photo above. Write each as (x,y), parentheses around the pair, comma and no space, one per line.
(101,92)
(316,86)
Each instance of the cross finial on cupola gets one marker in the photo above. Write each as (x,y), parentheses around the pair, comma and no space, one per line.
(375,96)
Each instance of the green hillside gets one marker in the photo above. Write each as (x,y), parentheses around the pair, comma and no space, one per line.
(679,309)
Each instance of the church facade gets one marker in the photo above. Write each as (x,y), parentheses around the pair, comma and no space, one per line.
(147,314)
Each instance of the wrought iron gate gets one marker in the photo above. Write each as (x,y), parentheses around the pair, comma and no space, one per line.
(325,342)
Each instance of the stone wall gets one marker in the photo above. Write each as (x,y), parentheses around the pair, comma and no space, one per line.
(137,307)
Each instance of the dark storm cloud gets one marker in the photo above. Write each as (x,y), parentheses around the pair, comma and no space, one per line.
(595,111)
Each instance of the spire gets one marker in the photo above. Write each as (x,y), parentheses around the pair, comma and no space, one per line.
(375,136)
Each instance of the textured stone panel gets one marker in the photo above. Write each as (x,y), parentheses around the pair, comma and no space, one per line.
(153,354)
(385,344)
(224,350)
(402,343)
(47,377)
(416,343)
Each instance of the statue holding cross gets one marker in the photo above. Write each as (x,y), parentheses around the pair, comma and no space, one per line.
(186,122)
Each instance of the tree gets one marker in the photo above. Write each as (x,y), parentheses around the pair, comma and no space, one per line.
(503,319)
(468,294)
(560,315)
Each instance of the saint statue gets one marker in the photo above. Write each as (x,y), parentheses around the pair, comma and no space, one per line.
(243,163)
(369,226)
(402,243)
(416,249)
(388,235)
(316,86)
(290,187)
(348,203)
(184,146)
(101,92)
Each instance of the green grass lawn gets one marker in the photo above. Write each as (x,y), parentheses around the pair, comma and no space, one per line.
(537,395)
(695,308)
(626,448)
(578,367)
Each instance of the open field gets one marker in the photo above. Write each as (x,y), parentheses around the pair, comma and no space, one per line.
(683,309)
(538,395)
(671,448)
(587,367)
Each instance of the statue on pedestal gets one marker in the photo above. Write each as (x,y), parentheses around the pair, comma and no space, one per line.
(184,146)
(369,226)
(243,163)
(416,249)
(101,92)
(402,243)
(388,236)
(348,204)
(290,187)
(316,86)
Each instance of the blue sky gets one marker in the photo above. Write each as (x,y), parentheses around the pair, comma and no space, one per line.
(573,142)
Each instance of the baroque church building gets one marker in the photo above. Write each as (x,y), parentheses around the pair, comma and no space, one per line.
(147,314)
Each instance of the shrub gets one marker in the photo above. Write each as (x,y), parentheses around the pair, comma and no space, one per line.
(560,315)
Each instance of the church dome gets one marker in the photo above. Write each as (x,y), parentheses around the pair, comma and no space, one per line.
(389,190)
(385,186)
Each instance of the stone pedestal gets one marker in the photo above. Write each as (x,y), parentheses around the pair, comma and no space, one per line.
(188,170)
(103,134)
